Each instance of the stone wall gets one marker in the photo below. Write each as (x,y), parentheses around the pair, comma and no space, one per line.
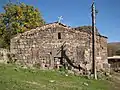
(3,55)
(43,46)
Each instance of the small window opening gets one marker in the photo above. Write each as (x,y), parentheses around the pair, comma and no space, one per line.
(102,48)
(59,35)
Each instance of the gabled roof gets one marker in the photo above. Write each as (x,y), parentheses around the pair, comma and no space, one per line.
(64,25)
(87,29)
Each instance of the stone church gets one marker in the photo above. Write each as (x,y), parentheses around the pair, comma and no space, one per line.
(55,45)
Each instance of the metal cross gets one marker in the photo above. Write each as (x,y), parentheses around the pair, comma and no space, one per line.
(59,19)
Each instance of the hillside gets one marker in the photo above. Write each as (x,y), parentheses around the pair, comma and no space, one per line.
(112,48)
(16,78)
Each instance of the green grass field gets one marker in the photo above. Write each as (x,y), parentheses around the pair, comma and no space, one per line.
(15,78)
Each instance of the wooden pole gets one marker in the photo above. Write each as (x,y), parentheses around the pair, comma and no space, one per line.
(94,41)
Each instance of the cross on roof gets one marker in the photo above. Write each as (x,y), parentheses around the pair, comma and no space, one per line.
(59,19)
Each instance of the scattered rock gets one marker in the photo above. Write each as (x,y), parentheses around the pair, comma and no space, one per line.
(86,84)
(24,67)
(16,69)
(51,81)
(66,75)
(107,74)
(70,72)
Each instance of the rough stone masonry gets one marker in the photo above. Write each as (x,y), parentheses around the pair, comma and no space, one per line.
(54,45)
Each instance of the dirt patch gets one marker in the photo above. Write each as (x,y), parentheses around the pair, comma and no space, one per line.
(115,82)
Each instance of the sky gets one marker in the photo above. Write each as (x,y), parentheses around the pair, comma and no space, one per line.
(78,13)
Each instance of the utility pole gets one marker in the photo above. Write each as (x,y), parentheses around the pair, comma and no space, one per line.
(94,40)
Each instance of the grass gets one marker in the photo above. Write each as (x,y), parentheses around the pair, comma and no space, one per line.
(15,78)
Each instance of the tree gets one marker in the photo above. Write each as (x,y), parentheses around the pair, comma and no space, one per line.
(18,18)
(118,52)
(113,48)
